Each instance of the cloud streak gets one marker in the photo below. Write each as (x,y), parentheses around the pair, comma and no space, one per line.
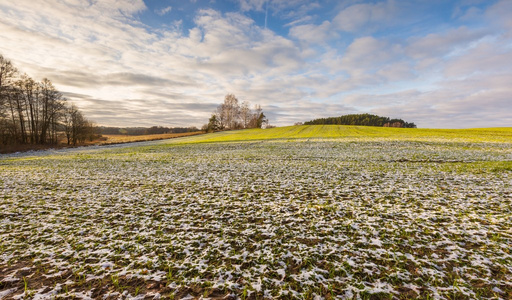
(164,11)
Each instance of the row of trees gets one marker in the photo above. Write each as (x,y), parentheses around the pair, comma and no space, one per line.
(33,112)
(145,130)
(233,115)
(362,120)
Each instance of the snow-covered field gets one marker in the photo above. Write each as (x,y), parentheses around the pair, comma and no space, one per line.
(268,219)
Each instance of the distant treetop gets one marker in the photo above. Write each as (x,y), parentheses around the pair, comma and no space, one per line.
(362,120)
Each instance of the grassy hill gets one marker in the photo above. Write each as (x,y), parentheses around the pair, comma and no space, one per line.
(356,133)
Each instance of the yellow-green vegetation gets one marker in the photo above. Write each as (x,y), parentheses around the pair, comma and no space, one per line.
(357,133)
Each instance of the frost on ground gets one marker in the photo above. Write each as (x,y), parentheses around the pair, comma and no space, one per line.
(260,220)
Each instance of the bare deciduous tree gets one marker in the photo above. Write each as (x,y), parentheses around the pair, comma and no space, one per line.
(245,114)
(231,115)
(76,127)
(232,111)
(30,112)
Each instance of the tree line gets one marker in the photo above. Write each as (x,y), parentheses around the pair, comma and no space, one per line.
(362,120)
(144,130)
(233,115)
(34,112)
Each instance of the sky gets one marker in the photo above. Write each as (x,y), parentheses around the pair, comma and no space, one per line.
(437,63)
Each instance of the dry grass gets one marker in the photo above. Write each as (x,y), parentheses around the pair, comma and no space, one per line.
(119,138)
(23,148)
(104,140)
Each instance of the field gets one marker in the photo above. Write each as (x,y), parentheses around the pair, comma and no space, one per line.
(301,212)
(120,138)
(106,139)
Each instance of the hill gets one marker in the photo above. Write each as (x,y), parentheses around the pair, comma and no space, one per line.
(362,120)
(356,133)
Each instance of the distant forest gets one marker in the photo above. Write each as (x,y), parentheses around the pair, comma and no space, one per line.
(144,130)
(362,120)
(36,113)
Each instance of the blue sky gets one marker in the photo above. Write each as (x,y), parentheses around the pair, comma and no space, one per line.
(438,63)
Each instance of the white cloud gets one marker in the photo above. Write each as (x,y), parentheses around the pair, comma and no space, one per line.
(500,14)
(247,5)
(459,104)
(397,71)
(441,45)
(313,34)
(302,20)
(163,11)
(485,58)
(370,62)
(117,59)
(363,16)
(368,52)
(105,60)
(299,6)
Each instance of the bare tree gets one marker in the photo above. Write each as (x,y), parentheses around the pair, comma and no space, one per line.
(67,123)
(221,117)
(231,115)
(29,93)
(76,127)
(7,73)
(232,111)
(18,104)
(8,132)
(245,114)
(52,104)
(32,112)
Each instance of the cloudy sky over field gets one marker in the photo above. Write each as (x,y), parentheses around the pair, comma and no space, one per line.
(438,63)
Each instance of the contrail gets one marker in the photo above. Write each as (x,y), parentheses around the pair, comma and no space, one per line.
(266,13)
